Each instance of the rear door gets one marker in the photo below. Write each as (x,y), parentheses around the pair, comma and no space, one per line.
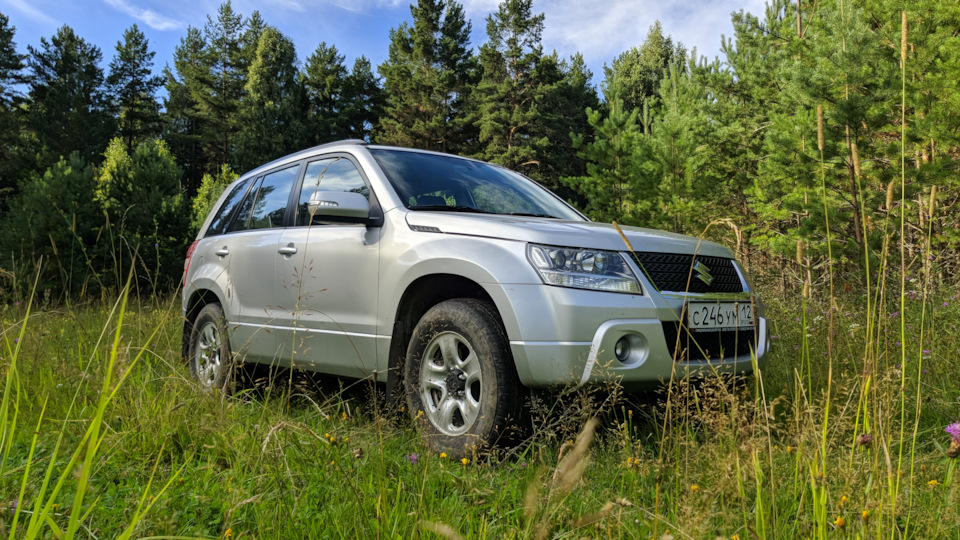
(248,253)
(327,286)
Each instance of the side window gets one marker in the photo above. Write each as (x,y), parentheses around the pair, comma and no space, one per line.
(218,225)
(334,174)
(266,203)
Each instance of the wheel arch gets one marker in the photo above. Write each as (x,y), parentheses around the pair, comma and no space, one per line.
(420,295)
(196,302)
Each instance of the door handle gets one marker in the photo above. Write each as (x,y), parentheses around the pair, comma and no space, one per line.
(222,252)
(287,250)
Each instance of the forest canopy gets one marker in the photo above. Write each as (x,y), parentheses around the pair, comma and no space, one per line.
(819,127)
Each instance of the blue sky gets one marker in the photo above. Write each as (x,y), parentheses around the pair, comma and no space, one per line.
(599,30)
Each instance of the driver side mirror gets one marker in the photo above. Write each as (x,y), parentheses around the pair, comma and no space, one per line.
(338,204)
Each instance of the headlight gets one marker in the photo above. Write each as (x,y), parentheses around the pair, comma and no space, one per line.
(583,269)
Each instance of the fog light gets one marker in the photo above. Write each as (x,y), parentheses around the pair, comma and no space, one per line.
(622,349)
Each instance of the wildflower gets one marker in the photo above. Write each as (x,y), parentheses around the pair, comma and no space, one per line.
(156,246)
(344,415)
(13,505)
(229,490)
(840,522)
(735,537)
(465,461)
(419,414)
(346,440)
(954,431)
(789,449)
(865,440)
(630,461)
(181,479)
(945,304)
(630,412)
(357,453)
(843,500)
(523,465)
(228,533)
(443,455)
(865,514)
(326,436)
(925,352)
(933,483)
(413,458)
(694,488)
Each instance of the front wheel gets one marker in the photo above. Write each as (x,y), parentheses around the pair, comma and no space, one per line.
(459,378)
(211,363)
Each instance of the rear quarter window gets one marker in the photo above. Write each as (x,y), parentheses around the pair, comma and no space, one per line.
(222,218)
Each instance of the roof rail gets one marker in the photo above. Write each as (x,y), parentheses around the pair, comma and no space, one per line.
(305,151)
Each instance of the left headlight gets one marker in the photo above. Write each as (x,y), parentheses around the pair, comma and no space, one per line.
(593,269)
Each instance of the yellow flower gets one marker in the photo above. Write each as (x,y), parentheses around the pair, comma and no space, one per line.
(843,500)
(789,449)
(326,436)
(228,533)
(630,412)
(443,455)
(229,490)
(346,440)
(630,462)
(419,414)
(735,537)
(840,522)
(344,416)
(333,463)
(465,461)
(864,515)
(694,488)
(181,479)
(933,483)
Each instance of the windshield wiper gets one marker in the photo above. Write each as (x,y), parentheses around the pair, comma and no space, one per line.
(525,214)
(445,208)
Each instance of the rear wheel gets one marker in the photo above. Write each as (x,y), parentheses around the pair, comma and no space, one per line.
(211,362)
(459,378)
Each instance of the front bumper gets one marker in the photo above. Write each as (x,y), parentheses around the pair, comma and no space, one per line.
(568,336)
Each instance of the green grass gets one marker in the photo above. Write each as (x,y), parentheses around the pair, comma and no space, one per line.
(162,458)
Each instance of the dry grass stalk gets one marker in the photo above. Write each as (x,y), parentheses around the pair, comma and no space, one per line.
(440,529)
(903,37)
(820,127)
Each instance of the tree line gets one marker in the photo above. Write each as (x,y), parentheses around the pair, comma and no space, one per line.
(822,124)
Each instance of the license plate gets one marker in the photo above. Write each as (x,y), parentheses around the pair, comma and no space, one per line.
(719,315)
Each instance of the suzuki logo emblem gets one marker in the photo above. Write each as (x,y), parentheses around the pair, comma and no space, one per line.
(703,273)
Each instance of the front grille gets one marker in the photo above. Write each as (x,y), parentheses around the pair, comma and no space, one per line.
(671,272)
(703,345)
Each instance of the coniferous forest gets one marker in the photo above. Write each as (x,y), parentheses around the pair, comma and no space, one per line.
(821,125)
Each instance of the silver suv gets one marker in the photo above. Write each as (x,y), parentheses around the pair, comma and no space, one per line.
(456,282)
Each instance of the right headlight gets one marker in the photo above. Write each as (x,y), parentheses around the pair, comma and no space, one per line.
(592,269)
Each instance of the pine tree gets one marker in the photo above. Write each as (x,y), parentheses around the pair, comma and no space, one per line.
(69,110)
(221,88)
(634,76)
(11,63)
(567,96)
(511,90)
(617,184)
(270,110)
(427,78)
(363,101)
(324,80)
(13,148)
(182,119)
(141,194)
(134,88)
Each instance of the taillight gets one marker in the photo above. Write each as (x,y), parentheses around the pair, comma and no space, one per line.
(186,263)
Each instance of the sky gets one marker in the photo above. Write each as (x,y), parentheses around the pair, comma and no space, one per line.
(600,30)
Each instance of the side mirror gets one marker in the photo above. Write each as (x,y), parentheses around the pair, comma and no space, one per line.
(342,204)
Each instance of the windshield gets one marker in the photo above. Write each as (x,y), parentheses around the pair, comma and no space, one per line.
(452,184)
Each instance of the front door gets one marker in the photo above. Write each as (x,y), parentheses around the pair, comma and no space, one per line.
(328,279)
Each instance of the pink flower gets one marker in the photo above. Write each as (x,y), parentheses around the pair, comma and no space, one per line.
(954,431)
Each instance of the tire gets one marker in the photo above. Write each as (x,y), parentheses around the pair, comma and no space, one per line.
(210,359)
(459,372)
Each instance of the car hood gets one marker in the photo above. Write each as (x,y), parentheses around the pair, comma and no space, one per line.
(556,232)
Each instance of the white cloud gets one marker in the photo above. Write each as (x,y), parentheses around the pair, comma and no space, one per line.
(146,16)
(32,12)
(601,31)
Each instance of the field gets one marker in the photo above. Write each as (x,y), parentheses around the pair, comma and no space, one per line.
(842,435)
